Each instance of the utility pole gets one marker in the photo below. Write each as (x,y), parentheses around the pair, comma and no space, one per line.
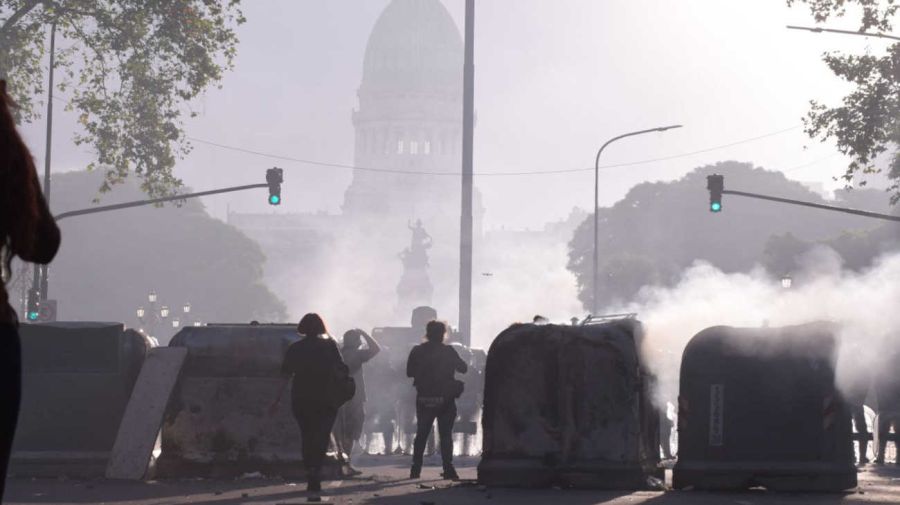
(466,221)
(41,272)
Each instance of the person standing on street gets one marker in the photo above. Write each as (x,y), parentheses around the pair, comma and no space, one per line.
(433,365)
(27,230)
(319,388)
(351,417)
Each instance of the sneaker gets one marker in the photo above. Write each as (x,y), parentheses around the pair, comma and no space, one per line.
(450,474)
(415,471)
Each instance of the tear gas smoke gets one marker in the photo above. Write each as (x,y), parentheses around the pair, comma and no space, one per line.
(863,305)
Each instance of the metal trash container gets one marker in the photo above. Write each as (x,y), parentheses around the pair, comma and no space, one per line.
(759,407)
(77,378)
(217,422)
(569,406)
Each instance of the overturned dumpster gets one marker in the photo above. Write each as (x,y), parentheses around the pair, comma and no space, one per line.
(568,406)
(217,423)
(759,407)
(77,378)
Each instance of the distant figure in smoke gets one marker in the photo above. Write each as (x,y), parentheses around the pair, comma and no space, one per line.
(855,396)
(432,365)
(887,390)
(27,230)
(540,320)
(351,417)
(320,379)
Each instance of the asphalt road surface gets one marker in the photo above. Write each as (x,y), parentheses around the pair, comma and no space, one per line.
(384,481)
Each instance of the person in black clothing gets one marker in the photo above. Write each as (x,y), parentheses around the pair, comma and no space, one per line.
(432,366)
(27,230)
(315,363)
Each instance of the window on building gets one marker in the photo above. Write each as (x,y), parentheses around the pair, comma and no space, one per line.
(399,147)
(426,148)
(413,147)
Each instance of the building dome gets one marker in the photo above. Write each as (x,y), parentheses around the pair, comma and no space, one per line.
(415,48)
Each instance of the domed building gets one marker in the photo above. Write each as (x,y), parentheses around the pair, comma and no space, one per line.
(408,128)
(410,114)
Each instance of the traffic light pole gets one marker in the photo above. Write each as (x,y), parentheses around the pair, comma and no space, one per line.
(140,203)
(40,283)
(790,201)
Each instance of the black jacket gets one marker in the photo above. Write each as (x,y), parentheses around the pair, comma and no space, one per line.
(314,362)
(432,366)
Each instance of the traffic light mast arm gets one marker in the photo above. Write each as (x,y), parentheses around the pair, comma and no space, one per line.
(864,213)
(139,203)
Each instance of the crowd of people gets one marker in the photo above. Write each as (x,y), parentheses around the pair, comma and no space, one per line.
(328,392)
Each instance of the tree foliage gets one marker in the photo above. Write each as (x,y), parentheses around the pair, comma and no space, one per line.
(867,123)
(128,68)
(661,228)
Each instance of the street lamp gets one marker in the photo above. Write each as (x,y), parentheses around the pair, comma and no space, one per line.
(176,323)
(140,312)
(164,312)
(597,203)
(152,297)
(187,308)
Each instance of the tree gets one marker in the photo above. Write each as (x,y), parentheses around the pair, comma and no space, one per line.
(129,67)
(661,228)
(867,123)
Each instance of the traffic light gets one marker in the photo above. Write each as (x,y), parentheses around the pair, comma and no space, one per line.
(32,313)
(716,185)
(274,178)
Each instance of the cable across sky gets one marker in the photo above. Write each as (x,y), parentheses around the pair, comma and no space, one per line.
(482,174)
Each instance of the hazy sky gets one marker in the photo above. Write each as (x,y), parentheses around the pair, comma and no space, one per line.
(554,80)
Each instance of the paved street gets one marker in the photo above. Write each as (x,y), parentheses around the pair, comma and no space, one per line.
(383,482)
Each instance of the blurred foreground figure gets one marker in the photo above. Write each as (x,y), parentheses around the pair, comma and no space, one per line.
(27,230)
(321,384)
(432,365)
(351,417)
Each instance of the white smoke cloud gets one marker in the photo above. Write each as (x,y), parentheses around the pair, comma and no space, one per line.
(864,305)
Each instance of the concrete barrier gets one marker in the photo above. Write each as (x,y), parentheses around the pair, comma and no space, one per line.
(759,407)
(217,424)
(569,406)
(76,381)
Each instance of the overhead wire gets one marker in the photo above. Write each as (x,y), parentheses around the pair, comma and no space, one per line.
(483,174)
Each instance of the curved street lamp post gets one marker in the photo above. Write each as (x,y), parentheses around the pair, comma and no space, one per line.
(597,203)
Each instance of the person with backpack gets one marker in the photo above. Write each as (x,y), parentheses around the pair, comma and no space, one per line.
(433,365)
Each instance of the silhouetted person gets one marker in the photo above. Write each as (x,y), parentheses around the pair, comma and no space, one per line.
(27,230)
(351,417)
(887,390)
(432,365)
(315,364)
(540,320)
(855,396)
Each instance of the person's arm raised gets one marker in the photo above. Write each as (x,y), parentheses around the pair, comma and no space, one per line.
(374,347)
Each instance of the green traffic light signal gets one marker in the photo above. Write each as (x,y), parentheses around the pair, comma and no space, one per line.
(274,178)
(715,183)
(32,316)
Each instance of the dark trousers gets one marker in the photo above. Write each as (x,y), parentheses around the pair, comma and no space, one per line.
(427,410)
(10,392)
(315,421)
